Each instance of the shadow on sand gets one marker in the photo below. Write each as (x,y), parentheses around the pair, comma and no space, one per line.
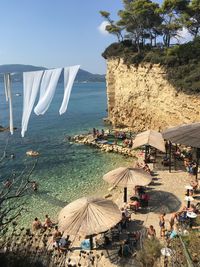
(162,201)
(112,254)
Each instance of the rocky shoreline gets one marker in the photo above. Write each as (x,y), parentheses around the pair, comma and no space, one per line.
(88,139)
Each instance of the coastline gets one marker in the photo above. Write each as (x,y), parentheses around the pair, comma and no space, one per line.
(103,145)
(164,197)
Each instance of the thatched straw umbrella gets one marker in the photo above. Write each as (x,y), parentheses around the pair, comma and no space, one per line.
(127,177)
(88,216)
(149,138)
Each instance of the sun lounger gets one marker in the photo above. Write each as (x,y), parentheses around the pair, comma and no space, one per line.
(102,141)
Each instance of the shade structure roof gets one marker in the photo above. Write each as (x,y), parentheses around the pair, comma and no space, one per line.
(88,216)
(128,177)
(150,137)
(185,134)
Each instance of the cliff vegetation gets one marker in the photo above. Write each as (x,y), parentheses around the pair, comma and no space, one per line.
(147,33)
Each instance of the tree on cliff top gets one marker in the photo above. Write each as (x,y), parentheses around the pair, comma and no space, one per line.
(171,11)
(143,21)
(112,27)
(191,18)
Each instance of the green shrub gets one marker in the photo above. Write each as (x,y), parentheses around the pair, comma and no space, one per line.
(182,62)
(192,242)
(150,252)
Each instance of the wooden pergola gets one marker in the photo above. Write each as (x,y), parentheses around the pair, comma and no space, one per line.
(186,134)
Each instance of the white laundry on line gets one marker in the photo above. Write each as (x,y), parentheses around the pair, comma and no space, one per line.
(47,90)
(8,93)
(31,85)
(69,77)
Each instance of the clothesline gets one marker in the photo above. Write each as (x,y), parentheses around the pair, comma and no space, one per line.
(43,82)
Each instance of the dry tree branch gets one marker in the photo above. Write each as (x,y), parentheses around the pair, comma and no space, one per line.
(9,211)
(4,152)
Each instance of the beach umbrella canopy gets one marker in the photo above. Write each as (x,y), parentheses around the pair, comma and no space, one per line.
(126,177)
(88,216)
(185,134)
(151,138)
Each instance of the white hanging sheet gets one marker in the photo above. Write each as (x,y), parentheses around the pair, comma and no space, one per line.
(8,93)
(69,77)
(5,76)
(47,90)
(31,85)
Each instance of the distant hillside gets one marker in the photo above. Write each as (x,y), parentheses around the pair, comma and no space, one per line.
(17,69)
(89,77)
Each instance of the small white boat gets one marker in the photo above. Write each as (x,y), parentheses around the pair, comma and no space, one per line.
(18,94)
(32,153)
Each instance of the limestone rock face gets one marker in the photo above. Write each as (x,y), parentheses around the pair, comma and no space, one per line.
(142,98)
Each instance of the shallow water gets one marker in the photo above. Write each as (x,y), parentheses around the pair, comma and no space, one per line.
(64,171)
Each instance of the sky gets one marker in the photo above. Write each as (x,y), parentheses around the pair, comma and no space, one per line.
(55,33)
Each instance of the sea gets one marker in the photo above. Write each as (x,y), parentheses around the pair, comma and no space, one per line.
(64,171)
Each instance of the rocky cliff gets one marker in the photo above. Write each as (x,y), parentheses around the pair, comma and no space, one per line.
(142,98)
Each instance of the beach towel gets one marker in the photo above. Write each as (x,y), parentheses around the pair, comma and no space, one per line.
(8,93)
(31,85)
(47,90)
(69,77)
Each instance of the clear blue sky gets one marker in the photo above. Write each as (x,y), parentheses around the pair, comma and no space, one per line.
(55,33)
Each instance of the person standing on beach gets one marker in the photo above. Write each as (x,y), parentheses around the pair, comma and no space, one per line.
(162,224)
(94,132)
(151,232)
(173,220)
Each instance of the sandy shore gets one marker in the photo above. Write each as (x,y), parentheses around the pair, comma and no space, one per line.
(167,194)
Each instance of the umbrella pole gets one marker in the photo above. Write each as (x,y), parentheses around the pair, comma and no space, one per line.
(145,155)
(174,162)
(147,149)
(125,194)
(198,152)
(91,243)
(170,156)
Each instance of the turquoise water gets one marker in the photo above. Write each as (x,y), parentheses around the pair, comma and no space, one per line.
(64,171)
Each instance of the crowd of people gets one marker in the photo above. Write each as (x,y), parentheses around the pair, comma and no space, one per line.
(191,166)
(59,242)
(176,221)
(117,135)
(139,199)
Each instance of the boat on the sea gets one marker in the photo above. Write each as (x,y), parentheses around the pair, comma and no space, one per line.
(32,153)
(18,94)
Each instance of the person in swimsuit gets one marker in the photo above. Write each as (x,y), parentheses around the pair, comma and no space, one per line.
(162,224)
